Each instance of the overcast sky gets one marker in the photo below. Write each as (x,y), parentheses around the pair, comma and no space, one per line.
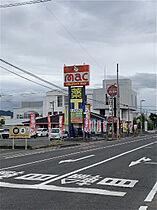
(41,38)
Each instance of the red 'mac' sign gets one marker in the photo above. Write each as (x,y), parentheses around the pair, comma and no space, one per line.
(76,75)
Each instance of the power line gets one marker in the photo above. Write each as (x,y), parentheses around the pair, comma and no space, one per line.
(25,77)
(23,3)
(33,75)
(71,34)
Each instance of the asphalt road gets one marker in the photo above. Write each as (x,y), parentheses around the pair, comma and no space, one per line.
(120,174)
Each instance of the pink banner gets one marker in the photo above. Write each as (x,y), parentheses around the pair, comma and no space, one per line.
(49,124)
(104,126)
(86,125)
(93,125)
(99,126)
(61,124)
(33,126)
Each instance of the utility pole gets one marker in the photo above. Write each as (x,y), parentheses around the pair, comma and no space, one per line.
(112,113)
(128,120)
(141,113)
(118,104)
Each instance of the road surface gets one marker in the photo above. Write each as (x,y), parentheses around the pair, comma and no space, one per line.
(118,174)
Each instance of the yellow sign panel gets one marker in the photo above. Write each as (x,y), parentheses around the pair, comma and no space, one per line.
(124,127)
(19,132)
(76,102)
(76,93)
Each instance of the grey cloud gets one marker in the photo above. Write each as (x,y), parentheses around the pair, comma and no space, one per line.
(115,20)
(144,80)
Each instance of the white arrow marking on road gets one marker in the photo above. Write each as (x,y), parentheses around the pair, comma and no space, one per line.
(74,160)
(144,159)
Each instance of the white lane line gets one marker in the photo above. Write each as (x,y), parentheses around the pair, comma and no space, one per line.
(75,160)
(152,163)
(63,189)
(143,207)
(66,155)
(55,149)
(152,193)
(96,164)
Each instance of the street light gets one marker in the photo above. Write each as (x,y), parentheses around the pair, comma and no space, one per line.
(141,112)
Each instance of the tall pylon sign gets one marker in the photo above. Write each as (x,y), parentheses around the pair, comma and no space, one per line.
(74,76)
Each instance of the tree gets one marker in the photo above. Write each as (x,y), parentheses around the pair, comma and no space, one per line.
(153,118)
(2,122)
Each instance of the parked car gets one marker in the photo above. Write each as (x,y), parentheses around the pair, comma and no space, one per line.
(42,132)
(4,133)
(55,134)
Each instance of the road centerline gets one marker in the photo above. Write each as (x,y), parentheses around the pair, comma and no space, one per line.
(96,164)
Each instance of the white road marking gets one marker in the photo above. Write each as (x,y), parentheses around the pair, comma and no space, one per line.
(63,189)
(152,193)
(98,163)
(75,160)
(118,182)
(8,174)
(80,179)
(152,163)
(144,159)
(143,207)
(80,152)
(36,177)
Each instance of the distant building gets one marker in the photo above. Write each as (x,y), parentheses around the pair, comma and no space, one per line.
(27,108)
(128,99)
(55,101)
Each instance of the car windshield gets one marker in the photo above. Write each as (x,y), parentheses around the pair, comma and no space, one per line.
(55,131)
(40,129)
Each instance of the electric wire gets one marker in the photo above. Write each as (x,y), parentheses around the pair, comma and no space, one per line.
(23,3)
(33,75)
(102,102)
(24,77)
(72,36)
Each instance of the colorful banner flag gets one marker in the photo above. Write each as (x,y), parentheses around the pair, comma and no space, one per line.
(33,126)
(98,126)
(61,124)
(49,124)
(93,125)
(124,127)
(87,118)
(131,128)
(104,126)
(86,125)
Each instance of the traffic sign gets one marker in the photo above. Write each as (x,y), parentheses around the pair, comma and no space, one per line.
(109,120)
(112,90)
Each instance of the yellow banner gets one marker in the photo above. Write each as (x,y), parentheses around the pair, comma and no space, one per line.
(124,127)
(66,115)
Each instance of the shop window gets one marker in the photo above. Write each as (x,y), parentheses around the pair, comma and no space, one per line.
(59,101)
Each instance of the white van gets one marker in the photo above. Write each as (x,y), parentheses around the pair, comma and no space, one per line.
(42,132)
(55,134)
